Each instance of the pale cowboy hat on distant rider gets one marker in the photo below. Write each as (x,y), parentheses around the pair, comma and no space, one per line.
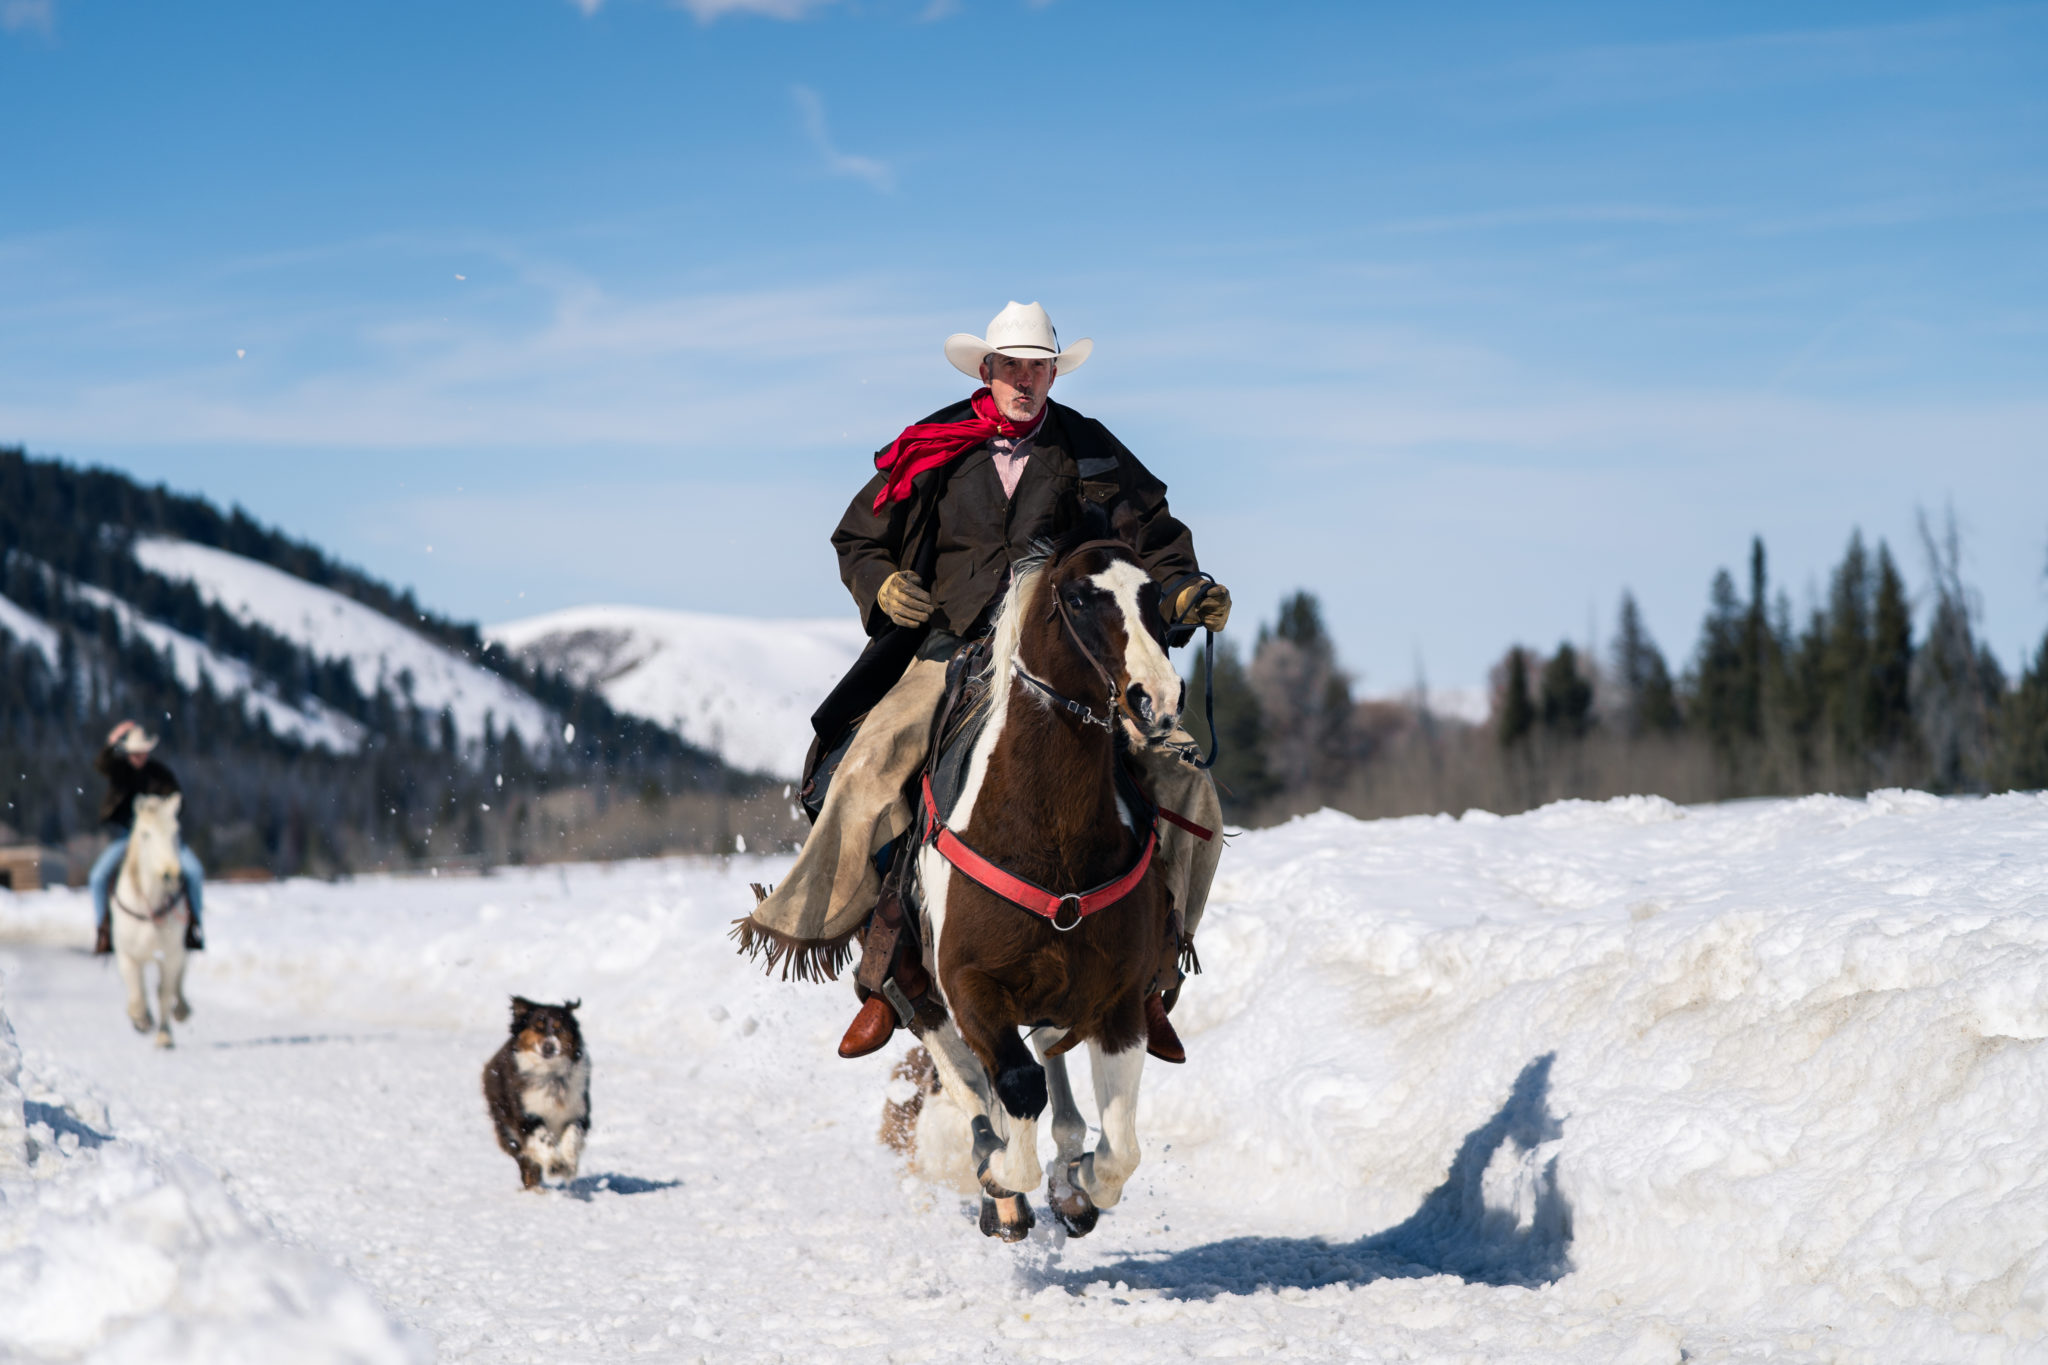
(925,548)
(131,770)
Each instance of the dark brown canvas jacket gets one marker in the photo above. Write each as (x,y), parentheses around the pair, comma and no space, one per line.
(981,532)
(125,782)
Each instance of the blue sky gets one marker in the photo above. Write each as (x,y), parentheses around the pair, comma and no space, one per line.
(1465,316)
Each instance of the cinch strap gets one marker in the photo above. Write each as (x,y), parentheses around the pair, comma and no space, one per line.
(1174,817)
(1033,897)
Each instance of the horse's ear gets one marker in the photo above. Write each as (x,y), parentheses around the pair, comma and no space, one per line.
(1123,524)
(1094,523)
(172,804)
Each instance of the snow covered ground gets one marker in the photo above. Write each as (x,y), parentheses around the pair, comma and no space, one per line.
(740,687)
(1604,1082)
(376,648)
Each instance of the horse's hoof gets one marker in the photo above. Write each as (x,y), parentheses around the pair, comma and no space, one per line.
(1009,1218)
(163,1040)
(1077,1213)
(182,1012)
(143,1023)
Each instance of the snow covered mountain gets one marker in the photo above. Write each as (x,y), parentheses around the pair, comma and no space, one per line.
(740,687)
(381,653)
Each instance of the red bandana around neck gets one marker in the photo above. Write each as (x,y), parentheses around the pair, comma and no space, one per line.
(927,445)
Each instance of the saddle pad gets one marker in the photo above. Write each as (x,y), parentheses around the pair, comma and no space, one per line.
(956,748)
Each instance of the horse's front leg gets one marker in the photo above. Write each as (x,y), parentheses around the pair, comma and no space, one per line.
(1069,1131)
(174,972)
(129,959)
(1004,1213)
(1102,1173)
(170,976)
(1007,1162)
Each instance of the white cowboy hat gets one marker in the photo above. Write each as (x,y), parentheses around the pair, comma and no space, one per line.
(130,738)
(1023,330)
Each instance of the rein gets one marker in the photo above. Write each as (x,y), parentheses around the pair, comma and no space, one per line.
(1065,911)
(114,898)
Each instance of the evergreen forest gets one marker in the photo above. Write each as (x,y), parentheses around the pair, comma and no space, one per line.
(1847,697)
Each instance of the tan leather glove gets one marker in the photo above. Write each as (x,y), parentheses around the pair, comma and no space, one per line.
(903,599)
(1212,610)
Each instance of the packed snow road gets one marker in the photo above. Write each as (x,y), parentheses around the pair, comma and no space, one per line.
(1603,1082)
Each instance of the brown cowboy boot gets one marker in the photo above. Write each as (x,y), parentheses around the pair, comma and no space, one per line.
(886,952)
(103,938)
(1160,1039)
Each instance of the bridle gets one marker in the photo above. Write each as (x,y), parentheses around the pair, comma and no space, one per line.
(114,898)
(1118,700)
(1063,910)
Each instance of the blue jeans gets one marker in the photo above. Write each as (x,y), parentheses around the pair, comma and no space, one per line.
(109,863)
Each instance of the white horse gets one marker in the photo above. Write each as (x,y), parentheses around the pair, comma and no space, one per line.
(149,916)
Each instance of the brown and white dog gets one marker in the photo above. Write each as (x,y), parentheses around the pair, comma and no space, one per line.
(537,1088)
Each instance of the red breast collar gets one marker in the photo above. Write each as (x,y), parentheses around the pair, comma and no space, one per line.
(1064,912)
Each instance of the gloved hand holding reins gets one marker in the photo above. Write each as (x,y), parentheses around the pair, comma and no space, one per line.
(1206,603)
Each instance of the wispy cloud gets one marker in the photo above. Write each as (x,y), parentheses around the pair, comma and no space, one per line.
(812,108)
(29,16)
(704,11)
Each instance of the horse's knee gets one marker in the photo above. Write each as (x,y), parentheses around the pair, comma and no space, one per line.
(1021,1088)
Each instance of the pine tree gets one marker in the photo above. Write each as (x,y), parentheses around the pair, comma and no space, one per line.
(1304,697)
(1567,696)
(1241,772)
(1718,707)
(1846,670)
(1517,711)
(1955,687)
(1757,652)
(2024,722)
(1889,704)
(1648,704)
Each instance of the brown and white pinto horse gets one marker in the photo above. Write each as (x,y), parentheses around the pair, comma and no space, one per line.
(1078,649)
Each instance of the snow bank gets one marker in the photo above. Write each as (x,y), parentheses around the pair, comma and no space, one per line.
(128,1253)
(742,688)
(1604,1081)
(376,648)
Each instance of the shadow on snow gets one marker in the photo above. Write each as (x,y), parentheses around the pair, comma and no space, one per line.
(584,1186)
(61,1121)
(1521,1236)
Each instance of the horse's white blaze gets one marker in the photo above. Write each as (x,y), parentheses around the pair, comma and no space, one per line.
(147,881)
(1145,661)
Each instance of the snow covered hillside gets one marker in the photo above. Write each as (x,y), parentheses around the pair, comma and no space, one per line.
(1604,1082)
(377,649)
(742,688)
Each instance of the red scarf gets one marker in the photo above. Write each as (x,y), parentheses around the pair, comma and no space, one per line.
(927,445)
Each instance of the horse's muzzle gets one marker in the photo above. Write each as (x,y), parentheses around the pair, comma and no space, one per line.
(1155,725)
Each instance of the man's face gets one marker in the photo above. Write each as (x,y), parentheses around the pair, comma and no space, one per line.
(137,760)
(1020,386)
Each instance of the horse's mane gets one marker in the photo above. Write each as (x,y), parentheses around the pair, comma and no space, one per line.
(1008,632)
(1025,576)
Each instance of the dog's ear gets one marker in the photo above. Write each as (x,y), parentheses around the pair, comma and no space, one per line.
(521,1008)
(571,1006)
